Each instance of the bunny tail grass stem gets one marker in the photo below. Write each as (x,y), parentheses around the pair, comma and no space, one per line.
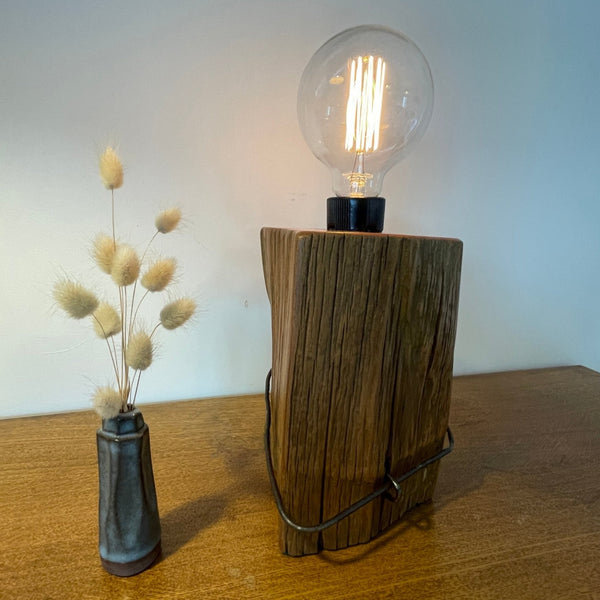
(135,285)
(114,349)
(122,344)
(123,305)
(148,246)
(134,316)
(125,340)
(110,350)
(137,385)
(112,197)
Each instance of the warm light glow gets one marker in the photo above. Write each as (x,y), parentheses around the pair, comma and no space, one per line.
(365,100)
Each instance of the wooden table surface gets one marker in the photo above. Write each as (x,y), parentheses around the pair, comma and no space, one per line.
(516,513)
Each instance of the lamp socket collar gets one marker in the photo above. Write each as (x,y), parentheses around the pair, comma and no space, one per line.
(355,214)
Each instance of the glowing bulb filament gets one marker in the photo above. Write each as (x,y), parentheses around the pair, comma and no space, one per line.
(365,100)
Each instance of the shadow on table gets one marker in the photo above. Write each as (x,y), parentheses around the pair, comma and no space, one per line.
(183,523)
(456,482)
(418,518)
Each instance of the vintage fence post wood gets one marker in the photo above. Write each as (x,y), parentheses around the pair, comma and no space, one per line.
(363,332)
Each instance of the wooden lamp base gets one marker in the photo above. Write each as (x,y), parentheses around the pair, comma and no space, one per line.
(363,340)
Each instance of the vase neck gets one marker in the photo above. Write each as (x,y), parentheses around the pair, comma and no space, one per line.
(127,422)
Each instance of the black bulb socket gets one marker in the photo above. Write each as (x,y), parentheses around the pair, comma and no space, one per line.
(355,214)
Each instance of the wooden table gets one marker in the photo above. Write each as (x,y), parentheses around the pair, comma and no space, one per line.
(516,513)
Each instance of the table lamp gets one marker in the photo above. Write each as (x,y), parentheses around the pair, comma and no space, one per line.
(363,323)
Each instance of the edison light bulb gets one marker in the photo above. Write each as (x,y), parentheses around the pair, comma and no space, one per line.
(365,99)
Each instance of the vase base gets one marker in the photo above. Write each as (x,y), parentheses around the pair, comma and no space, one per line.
(134,567)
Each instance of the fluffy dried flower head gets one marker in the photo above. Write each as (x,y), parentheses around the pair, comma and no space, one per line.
(177,313)
(168,220)
(104,252)
(111,169)
(139,351)
(159,275)
(106,320)
(107,402)
(74,299)
(125,265)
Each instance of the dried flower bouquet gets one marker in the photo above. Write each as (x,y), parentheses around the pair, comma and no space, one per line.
(132,352)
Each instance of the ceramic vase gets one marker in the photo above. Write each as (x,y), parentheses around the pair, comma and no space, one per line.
(129,524)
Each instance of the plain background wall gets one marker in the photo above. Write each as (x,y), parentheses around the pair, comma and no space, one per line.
(200,98)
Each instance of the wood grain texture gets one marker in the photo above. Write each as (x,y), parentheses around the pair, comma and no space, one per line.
(515,514)
(363,340)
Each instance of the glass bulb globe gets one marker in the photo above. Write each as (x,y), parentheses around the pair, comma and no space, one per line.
(364,101)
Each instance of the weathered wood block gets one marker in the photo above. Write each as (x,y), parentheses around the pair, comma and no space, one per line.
(363,332)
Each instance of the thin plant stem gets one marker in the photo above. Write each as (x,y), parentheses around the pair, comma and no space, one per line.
(137,384)
(148,246)
(125,339)
(115,361)
(112,196)
(132,315)
(121,383)
(132,320)
(155,328)
(110,352)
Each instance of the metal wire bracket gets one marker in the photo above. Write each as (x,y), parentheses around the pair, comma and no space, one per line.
(391,489)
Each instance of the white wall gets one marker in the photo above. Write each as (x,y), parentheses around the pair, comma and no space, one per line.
(200,97)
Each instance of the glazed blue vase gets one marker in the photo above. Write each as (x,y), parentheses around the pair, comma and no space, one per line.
(129,524)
